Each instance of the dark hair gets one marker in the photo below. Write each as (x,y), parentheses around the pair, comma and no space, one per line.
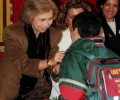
(60,22)
(87,23)
(102,2)
(71,4)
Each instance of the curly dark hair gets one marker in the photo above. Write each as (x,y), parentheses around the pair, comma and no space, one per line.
(102,2)
(60,22)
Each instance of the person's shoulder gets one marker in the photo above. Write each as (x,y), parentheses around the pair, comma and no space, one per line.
(117,17)
(15,30)
(15,27)
(55,35)
(56,32)
(54,29)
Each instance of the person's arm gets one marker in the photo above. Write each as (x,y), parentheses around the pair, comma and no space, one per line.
(72,82)
(16,51)
(55,37)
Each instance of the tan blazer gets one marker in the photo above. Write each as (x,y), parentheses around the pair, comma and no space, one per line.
(15,61)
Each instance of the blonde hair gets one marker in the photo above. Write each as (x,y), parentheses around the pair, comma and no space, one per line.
(31,8)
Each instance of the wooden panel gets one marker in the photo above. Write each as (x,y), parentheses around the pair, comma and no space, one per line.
(8,12)
(1,19)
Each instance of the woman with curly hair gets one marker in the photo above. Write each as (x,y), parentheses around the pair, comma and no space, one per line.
(64,21)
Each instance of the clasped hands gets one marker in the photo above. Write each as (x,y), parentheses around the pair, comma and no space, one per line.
(53,62)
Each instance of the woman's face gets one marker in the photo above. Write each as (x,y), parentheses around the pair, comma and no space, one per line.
(72,12)
(42,22)
(110,9)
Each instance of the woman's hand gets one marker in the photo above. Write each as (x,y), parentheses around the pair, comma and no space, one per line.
(53,61)
(59,56)
(56,68)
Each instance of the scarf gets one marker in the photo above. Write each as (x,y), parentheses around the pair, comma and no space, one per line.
(38,48)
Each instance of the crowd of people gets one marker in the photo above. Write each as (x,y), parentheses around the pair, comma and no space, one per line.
(40,49)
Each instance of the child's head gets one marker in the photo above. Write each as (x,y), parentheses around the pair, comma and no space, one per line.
(85,24)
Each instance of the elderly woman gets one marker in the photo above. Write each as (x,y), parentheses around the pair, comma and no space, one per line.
(30,51)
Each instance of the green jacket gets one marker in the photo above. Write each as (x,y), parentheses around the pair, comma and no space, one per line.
(73,73)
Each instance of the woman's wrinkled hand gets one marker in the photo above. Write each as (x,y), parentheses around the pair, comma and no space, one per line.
(59,56)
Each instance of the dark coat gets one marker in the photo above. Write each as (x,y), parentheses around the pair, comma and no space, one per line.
(111,40)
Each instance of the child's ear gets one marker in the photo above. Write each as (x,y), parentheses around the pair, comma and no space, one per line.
(76,31)
(75,35)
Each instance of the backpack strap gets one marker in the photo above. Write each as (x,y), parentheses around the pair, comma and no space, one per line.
(91,57)
(109,61)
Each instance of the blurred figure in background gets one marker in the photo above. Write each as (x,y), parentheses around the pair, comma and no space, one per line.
(109,12)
